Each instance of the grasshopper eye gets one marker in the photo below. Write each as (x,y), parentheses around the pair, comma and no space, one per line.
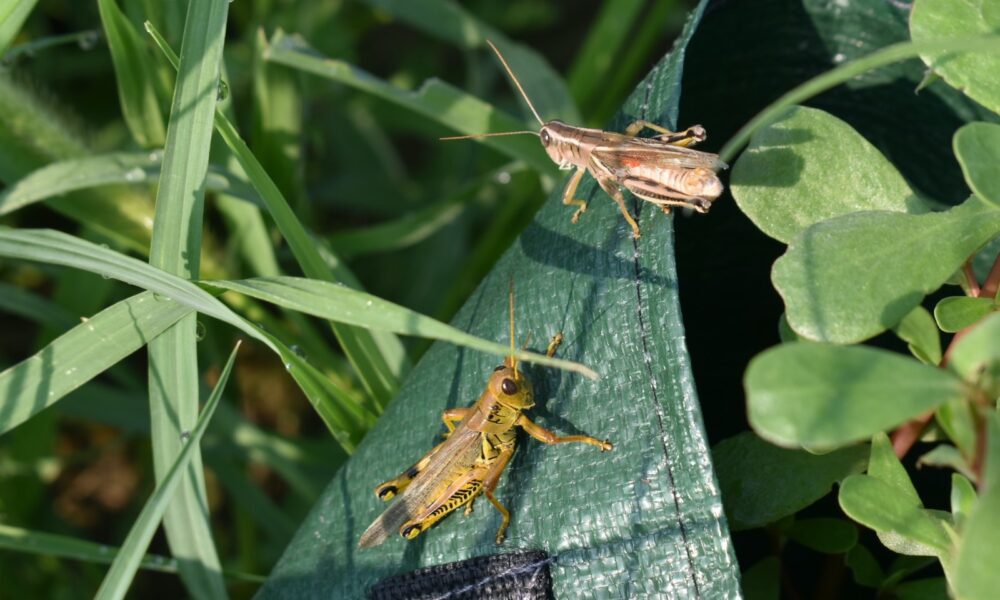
(546,138)
(508,387)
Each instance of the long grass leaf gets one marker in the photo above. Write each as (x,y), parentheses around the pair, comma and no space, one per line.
(344,304)
(33,134)
(452,22)
(176,249)
(595,61)
(108,169)
(435,100)
(134,72)
(12,16)
(32,306)
(129,557)
(340,411)
(17,539)
(412,228)
(378,359)
(81,354)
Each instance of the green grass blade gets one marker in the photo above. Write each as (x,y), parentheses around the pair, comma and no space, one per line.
(17,539)
(339,409)
(378,359)
(126,563)
(347,305)
(33,134)
(134,72)
(107,169)
(435,100)
(412,228)
(12,16)
(81,354)
(449,21)
(20,302)
(595,61)
(176,249)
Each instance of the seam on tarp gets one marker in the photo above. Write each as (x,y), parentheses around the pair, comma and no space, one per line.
(647,360)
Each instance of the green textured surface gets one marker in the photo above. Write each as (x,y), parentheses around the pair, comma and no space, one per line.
(644,520)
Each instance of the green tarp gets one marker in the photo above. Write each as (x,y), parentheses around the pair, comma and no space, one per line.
(642,521)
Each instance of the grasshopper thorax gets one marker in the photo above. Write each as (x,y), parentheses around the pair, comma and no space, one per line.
(511,388)
(563,144)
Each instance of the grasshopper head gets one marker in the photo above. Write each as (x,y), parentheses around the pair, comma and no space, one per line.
(554,139)
(512,388)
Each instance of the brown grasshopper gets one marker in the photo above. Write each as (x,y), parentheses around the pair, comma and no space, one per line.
(660,169)
(470,460)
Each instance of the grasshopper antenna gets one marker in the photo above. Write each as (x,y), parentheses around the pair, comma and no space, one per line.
(512,360)
(517,83)
(485,135)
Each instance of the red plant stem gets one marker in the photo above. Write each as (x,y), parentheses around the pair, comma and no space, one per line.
(970,278)
(907,434)
(992,283)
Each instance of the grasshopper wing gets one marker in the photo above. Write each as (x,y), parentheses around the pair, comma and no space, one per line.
(652,153)
(456,457)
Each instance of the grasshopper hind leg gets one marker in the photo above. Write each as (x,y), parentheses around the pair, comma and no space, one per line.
(689,137)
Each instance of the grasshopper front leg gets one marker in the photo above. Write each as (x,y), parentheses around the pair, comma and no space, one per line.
(689,137)
(548,437)
(452,416)
(574,182)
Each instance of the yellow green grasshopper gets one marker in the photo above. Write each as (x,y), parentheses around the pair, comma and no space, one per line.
(661,169)
(470,460)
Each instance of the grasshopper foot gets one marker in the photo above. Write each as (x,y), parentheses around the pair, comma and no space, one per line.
(607,445)
(578,212)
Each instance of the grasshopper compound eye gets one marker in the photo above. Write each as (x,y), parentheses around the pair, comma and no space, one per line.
(546,138)
(508,387)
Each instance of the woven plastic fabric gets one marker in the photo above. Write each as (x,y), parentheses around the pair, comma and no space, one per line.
(642,521)
(510,576)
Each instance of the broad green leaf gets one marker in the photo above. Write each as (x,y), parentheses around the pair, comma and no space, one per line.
(849,278)
(865,569)
(119,577)
(977,147)
(173,356)
(876,504)
(826,535)
(921,335)
(823,396)
(963,499)
(135,71)
(346,305)
(450,21)
(958,420)
(435,100)
(762,581)
(979,348)
(13,13)
(808,166)
(975,572)
(955,313)
(976,74)
(378,359)
(885,466)
(761,482)
(17,539)
(116,168)
(903,566)
(81,354)
(947,457)
(614,302)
